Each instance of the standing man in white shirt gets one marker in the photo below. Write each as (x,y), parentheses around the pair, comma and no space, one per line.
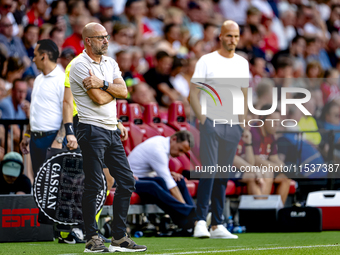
(46,112)
(96,82)
(223,70)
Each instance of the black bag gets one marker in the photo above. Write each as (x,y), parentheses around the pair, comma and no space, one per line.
(259,220)
(300,219)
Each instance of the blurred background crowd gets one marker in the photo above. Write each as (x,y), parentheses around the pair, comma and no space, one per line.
(158,42)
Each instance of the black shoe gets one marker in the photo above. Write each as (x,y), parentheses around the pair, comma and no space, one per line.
(104,238)
(125,244)
(96,245)
(72,238)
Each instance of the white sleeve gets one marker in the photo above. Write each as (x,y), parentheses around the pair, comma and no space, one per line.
(116,71)
(160,164)
(200,71)
(78,72)
(61,88)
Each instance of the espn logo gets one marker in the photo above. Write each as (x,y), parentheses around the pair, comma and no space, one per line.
(18,217)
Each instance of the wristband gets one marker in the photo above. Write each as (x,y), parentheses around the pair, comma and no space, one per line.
(248,144)
(69,128)
(119,120)
(27,135)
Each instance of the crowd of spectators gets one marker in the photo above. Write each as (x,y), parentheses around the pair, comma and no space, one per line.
(157,43)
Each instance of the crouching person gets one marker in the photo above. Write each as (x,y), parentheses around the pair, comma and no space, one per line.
(149,162)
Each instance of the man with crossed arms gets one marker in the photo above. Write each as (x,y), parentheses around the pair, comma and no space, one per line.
(96,82)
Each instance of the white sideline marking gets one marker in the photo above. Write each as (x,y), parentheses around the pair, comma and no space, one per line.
(251,249)
(201,248)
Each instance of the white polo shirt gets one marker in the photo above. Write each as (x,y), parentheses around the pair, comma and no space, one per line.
(151,158)
(89,112)
(46,110)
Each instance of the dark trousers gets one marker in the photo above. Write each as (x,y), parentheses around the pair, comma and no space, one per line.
(217,146)
(99,145)
(38,149)
(153,190)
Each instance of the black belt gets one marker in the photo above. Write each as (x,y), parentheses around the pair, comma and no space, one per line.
(41,134)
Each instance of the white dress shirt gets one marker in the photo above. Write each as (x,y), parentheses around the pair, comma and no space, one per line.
(46,111)
(151,158)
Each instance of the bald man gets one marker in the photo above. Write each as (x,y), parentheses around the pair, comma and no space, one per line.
(225,71)
(96,82)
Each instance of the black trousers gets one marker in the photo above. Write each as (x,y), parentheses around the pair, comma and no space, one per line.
(99,145)
(38,150)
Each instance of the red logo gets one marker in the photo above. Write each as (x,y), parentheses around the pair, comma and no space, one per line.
(18,217)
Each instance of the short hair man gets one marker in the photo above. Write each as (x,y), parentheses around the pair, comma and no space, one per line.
(159,79)
(13,44)
(96,82)
(15,106)
(69,111)
(46,112)
(218,144)
(12,178)
(151,158)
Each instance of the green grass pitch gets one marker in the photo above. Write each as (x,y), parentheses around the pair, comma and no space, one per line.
(327,242)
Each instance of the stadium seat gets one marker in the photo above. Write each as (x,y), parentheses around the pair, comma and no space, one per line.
(122,114)
(292,188)
(178,121)
(185,161)
(109,198)
(135,199)
(153,119)
(139,131)
(191,188)
(175,165)
(230,190)
(163,113)
(132,118)
(177,118)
